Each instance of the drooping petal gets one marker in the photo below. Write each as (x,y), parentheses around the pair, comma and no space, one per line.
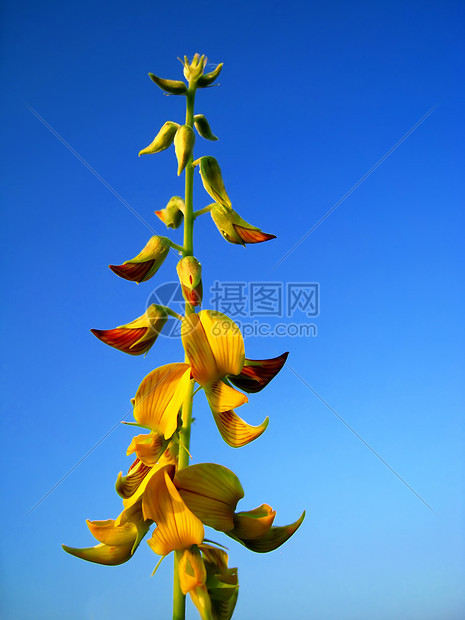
(235,431)
(222,397)
(177,527)
(211,491)
(160,396)
(253,523)
(148,448)
(256,374)
(272,539)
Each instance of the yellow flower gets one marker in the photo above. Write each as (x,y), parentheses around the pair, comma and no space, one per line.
(212,492)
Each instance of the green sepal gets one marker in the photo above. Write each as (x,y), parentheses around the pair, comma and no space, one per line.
(174,87)
(208,78)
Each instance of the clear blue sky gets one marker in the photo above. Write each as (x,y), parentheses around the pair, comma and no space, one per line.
(312,96)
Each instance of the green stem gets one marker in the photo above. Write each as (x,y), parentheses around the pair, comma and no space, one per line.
(179,599)
(202,211)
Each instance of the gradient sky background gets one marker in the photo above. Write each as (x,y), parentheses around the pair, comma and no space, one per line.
(312,95)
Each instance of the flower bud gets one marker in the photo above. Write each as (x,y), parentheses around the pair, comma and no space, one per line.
(136,337)
(203,127)
(234,229)
(174,87)
(212,180)
(172,215)
(162,140)
(194,69)
(190,275)
(143,266)
(184,146)
(208,78)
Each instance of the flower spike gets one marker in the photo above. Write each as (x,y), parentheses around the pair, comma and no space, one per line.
(137,337)
(234,229)
(146,264)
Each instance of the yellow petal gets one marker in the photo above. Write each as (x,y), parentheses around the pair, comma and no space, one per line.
(222,397)
(235,431)
(225,340)
(106,532)
(160,396)
(211,491)
(177,528)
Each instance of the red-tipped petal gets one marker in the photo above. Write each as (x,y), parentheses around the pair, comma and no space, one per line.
(123,339)
(250,235)
(135,272)
(256,374)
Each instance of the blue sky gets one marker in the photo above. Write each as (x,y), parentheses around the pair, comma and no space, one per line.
(311,97)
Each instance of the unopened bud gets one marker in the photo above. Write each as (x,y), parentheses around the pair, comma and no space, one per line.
(190,276)
(172,215)
(174,87)
(203,127)
(143,266)
(162,140)
(184,146)
(212,180)
(208,78)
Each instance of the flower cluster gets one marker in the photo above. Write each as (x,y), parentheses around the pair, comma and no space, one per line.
(160,488)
